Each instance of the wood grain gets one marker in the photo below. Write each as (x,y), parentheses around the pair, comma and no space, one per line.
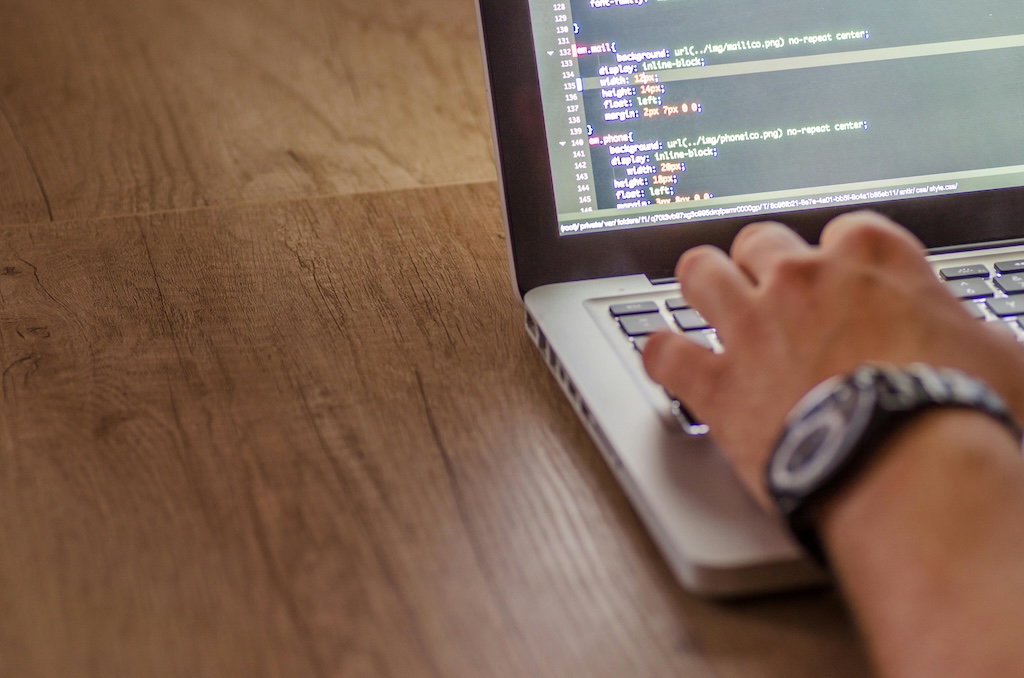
(21,195)
(313,439)
(135,107)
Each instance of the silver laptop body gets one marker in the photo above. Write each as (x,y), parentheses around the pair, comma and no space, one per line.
(572,88)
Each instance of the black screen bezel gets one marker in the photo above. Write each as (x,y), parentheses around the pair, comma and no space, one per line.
(541,256)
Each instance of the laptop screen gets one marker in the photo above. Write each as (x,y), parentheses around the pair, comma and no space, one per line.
(681,111)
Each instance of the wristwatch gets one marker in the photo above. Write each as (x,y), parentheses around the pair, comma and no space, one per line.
(833,430)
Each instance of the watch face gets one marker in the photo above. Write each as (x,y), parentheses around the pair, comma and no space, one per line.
(820,439)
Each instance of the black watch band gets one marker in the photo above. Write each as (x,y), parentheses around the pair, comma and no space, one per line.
(834,429)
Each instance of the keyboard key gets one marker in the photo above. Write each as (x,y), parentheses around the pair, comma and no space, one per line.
(1011,284)
(962,272)
(640,343)
(701,339)
(1006,308)
(642,325)
(970,289)
(634,308)
(690,319)
(1011,266)
(677,304)
(975,310)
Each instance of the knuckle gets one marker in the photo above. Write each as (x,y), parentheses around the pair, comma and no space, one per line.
(797,271)
(870,234)
(745,234)
(873,237)
(747,320)
(874,243)
(852,220)
(694,260)
(750,235)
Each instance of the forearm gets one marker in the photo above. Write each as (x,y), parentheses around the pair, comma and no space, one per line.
(928,544)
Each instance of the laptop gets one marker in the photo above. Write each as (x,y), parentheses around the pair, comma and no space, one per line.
(627,131)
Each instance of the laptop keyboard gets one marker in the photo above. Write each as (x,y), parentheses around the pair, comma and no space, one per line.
(639,320)
(993,295)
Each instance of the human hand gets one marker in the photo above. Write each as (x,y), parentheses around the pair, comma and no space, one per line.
(791,315)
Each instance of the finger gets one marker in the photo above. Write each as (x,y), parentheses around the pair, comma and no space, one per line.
(683,367)
(759,247)
(872,237)
(712,283)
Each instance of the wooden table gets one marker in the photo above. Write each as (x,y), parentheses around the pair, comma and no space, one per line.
(267,404)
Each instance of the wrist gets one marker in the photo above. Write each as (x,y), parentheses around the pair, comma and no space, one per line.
(838,427)
(927,461)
